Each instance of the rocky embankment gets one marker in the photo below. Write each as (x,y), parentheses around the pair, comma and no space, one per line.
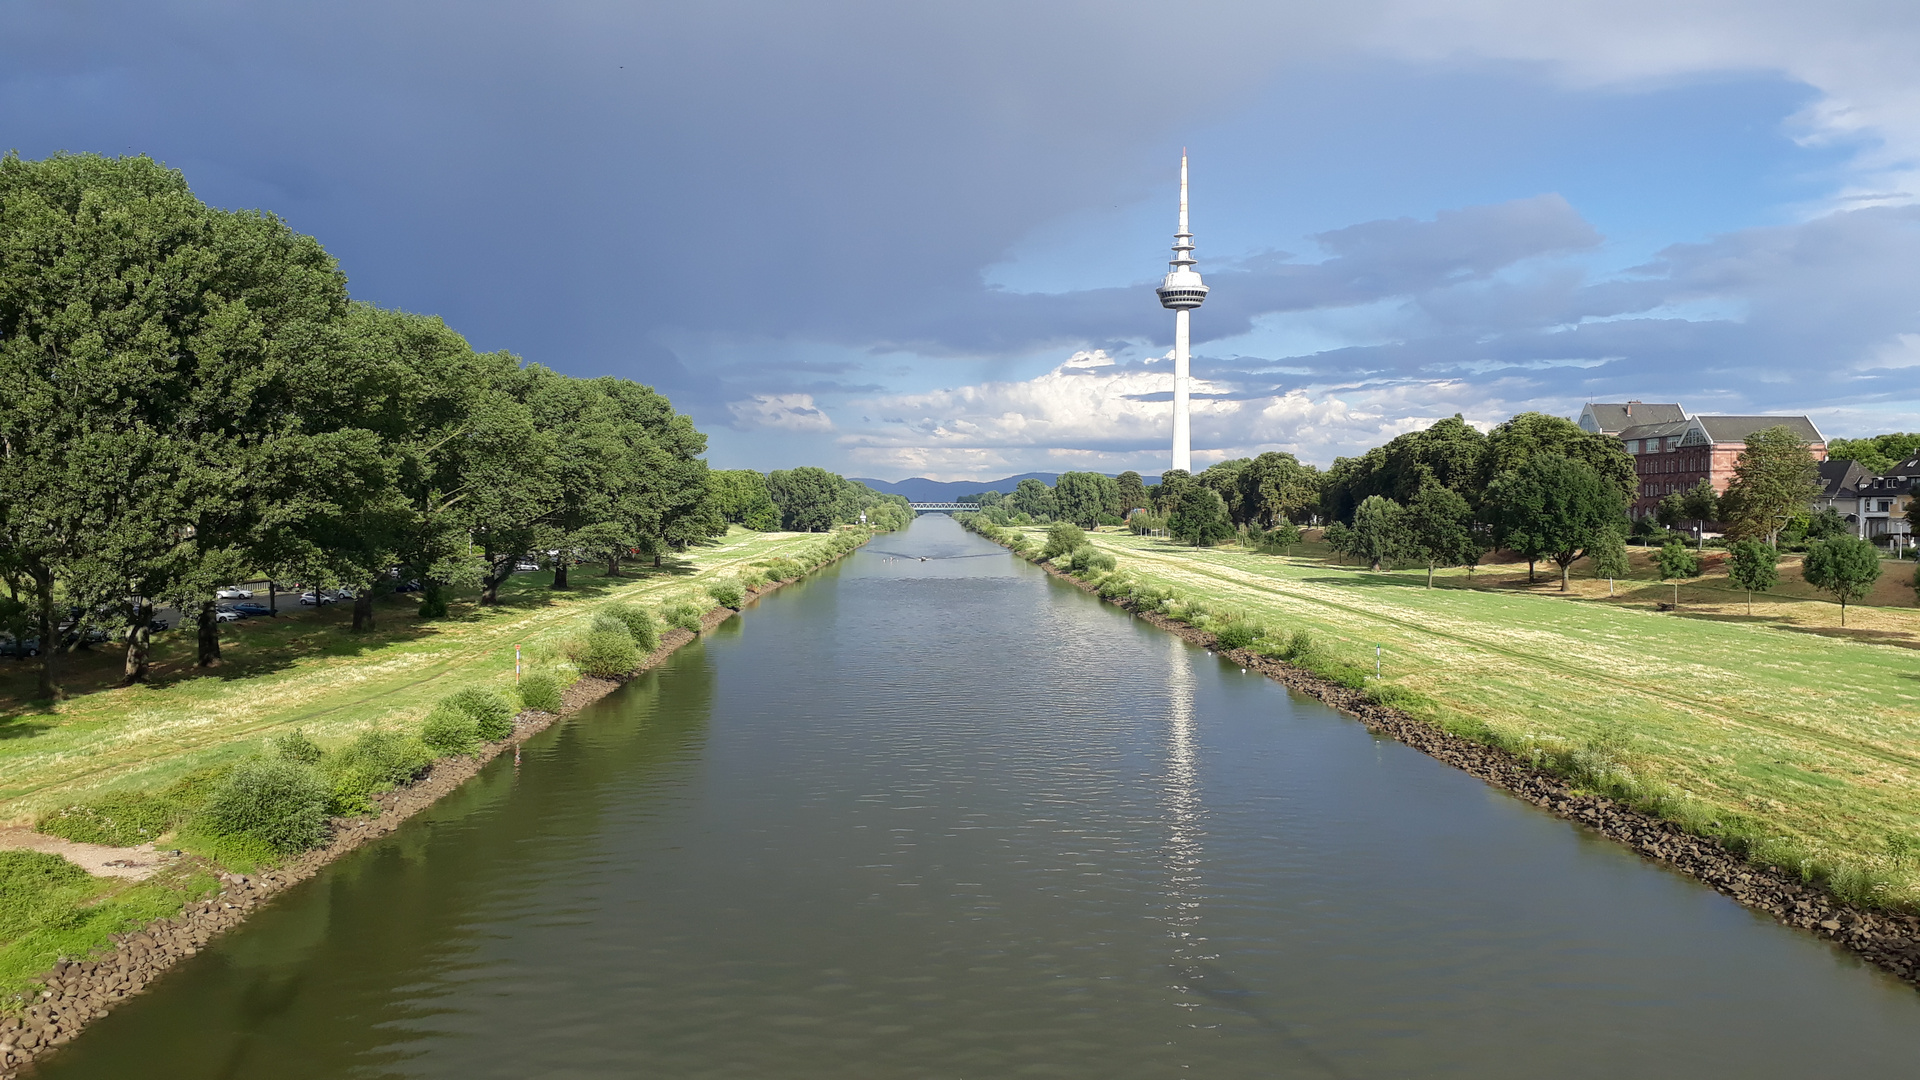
(77,992)
(1887,940)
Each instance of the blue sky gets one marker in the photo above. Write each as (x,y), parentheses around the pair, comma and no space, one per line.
(920,240)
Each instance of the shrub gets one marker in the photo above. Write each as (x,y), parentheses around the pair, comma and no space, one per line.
(607,653)
(280,803)
(449,731)
(783,569)
(1086,558)
(491,713)
(727,593)
(1062,539)
(542,691)
(295,746)
(686,616)
(638,622)
(375,762)
(1300,647)
(753,578)
(1237,634)
(1116,588)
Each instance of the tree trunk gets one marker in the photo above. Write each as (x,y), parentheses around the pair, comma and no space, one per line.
(433,600)
(1609,586)
(1530,572)
(273,599)
(44,685)
(656,559)
(1375,567)
(1429,575)
(613,564)
(209,634)
(560,574)
(1843,611)
(139,642)
(363,610)
(1566,568)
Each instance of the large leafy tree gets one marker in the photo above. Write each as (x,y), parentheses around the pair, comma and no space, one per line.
(1085,497)
(1199,517)
(1553,507)
(805,496)
(1132,491)
(1449,452)
(1701,504)
(1877,453)
(1380,531)
(1439,528)
(1276,488)
(1844,567)
(1775,480)
(1530,434)
(148,348)
(742,498)
(1035,499)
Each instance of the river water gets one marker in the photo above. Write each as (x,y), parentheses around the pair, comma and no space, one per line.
(956,819)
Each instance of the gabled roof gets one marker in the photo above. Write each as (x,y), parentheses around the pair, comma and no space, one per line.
(1841,479)
(1654,431)
(1735,429)
(1613,417)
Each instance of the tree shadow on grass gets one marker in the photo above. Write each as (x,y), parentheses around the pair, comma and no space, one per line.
(1867,635)
(264,645)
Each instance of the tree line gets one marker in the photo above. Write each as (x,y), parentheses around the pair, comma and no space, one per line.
(189,396)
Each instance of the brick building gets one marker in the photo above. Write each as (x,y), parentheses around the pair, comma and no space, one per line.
(1674,455)
(1612,419)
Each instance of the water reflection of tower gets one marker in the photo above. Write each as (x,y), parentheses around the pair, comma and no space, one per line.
(1180,795)
(1181,292)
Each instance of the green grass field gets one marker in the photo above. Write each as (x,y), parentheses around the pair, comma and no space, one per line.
(305,670)
(1774,730)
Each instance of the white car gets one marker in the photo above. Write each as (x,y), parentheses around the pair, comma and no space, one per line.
(226,616)
(526,564)
(233,592)
(310,598)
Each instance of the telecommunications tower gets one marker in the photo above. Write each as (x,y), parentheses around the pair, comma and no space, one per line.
(1182,292)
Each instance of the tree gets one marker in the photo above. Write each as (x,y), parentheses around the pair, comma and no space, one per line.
(1702,504)
(1133,493)
(1610,557)
(1224,479)
(1671,510)
(148,344)
(1449,452)
(805,497)
(1379,531)
(1275,487)
(1877,453)
(1530,434)
(1200,518)
(1845,566)
(1168,493)
(1062,539)
(1439,528)
(1034,499)
(742,498)
(1280,539)
(1085,497)
(1555,507)
(1775,478)
(1675,561)
(1753,566)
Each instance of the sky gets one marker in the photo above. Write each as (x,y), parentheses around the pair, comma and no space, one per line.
(921,239)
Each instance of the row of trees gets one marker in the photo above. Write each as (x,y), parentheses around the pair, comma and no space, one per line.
(188,396)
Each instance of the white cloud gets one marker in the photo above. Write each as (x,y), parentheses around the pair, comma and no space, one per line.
(786,412)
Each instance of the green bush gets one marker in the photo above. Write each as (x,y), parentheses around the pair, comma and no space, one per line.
(280,803)
(295,746)
(40,891)
(685,615)
(1678,561)
(375,762)
(1237,634)
(607,653)
(1300,647)
(639,623)
(1062,539)
(783,569)
(492,714)
(541,691)
(1116,588)
(449,731)
(1086,558)
(727,593)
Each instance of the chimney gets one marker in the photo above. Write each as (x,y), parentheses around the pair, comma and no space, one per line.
(1630,406)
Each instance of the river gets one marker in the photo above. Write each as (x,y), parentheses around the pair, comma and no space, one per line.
(954,818)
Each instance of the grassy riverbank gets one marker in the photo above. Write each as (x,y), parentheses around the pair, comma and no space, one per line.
(1773,732)
(302,672)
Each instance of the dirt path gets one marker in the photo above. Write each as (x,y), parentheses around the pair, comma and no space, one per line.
(100,860)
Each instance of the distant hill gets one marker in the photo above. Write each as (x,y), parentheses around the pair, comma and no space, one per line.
(921,489)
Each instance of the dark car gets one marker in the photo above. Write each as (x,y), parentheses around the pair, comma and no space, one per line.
(252,609)
(407,586)
(22,648)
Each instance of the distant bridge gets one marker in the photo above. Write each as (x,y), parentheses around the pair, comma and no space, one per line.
(942,508)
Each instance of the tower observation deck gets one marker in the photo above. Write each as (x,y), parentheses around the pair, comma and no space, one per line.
(1181,292)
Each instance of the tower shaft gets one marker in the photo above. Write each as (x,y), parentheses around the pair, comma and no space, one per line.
(1181,292)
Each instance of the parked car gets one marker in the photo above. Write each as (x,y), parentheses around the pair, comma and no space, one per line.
(157,625)
(226,616)
(526,564)
(253,609)
(233,592)
(312,599)
(22,648)
(344,593)
(407,586)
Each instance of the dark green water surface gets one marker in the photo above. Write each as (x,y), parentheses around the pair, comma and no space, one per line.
(954,819)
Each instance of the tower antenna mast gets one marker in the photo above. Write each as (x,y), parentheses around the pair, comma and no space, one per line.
(1181,292)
